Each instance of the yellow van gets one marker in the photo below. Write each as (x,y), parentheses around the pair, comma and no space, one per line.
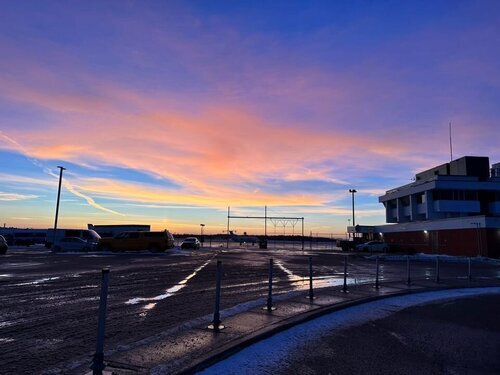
(138,240)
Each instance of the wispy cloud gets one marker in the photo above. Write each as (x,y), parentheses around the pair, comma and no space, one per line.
(46,170)
(15,197)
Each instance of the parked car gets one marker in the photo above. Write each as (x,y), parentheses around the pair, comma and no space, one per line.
(373,246)
(191,243)
(85,234)
(3,245)
(138,240)
(73,244)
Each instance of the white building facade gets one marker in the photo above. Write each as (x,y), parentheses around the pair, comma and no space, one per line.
(453,208)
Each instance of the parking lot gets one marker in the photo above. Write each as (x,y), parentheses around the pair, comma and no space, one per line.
(49,302)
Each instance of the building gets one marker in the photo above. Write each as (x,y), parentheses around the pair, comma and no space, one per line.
(23,237)
(453,208)
(112,230)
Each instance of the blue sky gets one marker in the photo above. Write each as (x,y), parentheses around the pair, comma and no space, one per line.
(165,113)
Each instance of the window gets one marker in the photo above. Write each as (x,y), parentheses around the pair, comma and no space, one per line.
(420,198)
(454,195)
(405,201)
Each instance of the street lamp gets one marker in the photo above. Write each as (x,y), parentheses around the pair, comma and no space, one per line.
(348,225)
(202,238)
(61,169)
(352,191)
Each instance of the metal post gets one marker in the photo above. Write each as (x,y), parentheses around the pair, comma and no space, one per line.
(311,241)
(216,323)
(408,278)
(344,288)
(469,271)
(269,307)
(61,169)
(352,191)
(437,269)
(98,361)
(311,293)
(377,286)
(302,234)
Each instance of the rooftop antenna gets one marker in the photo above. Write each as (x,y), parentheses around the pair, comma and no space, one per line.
(451,147)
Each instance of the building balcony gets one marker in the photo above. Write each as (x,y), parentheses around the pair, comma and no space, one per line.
(457,206)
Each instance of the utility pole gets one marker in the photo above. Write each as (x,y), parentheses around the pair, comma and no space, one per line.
(61,169)
(352,191)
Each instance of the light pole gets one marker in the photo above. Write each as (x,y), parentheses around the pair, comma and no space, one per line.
(202,238)
(61,169)
(352,191)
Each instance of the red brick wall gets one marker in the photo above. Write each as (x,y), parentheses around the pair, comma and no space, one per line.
(450,242)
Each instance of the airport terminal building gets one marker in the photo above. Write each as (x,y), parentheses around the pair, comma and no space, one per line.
(453,209)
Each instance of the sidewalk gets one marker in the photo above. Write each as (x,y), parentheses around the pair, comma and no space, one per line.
(189,350)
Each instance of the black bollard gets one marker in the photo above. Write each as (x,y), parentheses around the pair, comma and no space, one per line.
(437,270)
(344,288)
(216,323)
(377,285)
(269,306)
(408,278)
(98,360)
(311,293)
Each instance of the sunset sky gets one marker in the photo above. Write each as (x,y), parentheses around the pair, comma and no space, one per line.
(167,112)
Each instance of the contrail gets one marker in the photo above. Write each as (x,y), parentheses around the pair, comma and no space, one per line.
(66,183)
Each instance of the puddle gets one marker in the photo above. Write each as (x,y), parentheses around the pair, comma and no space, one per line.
(146,309)
(291,276)
(6,275)
(5,340)
(170,291)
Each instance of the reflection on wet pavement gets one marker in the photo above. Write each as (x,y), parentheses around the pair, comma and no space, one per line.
(36,282)
(170,291)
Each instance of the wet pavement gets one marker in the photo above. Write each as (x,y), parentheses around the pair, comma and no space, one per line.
(160,304)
